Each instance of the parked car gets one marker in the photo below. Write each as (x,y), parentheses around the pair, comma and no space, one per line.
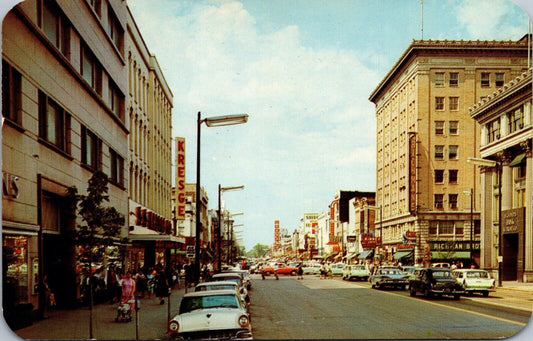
(245,274)
(223,285)
(410,270)
(435,281)
(310,268)
(440,265)
(216,314)
(358,272)
(389,277)
(337,268)
(233,277)
(475,280)
(282,270)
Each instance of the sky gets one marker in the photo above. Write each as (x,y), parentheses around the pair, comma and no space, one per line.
(303,71)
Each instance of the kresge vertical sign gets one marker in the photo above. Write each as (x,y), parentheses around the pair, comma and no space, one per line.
(180,178)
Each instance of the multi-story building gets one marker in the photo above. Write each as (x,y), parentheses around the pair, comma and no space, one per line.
(361,229)
(506,119)
(307,234)
(424,137)
(64,84)
(149,109)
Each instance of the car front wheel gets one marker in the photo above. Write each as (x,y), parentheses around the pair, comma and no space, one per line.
(412,292)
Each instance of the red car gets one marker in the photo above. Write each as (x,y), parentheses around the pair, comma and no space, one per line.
(282,270)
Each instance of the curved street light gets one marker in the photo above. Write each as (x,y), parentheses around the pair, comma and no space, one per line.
(216,121)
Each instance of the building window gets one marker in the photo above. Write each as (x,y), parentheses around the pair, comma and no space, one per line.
(446,227)
(115,31)
(453,152)
(515,119)
(439,200)
(452,200)
(499,79)
(433,227)
(454,79)
(439,103)
(519,199)
(54,123)
(459,228)
(452,176)
(485,79)
(439,176)
(90,149)
(439,79)
(91,70)
(439,127)
(97,6)
(55,26)
(454,103)
(117,168)
(453,127)
(439,152)
(493,130)
(11,94)
(116,100)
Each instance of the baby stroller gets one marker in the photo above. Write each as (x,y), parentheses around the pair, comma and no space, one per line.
(124,310)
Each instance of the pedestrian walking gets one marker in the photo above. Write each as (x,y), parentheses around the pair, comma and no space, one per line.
(151,281)
(300,271)
(161,286)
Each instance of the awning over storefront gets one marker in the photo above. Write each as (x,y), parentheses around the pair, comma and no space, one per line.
(450,255)
(140,233)
(350,256)
(403,254)
(366,254)
(518,160)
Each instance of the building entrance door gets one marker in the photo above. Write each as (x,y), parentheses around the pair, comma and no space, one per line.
(510,256)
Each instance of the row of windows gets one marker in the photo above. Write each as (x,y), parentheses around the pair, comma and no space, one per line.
(444,227)
(452,79)
(453,127)
(453,103)
(439,201)
(453,152)
(55,125)
(57,28)
(515,122)
(453,175)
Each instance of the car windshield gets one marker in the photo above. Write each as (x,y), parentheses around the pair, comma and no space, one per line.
(230,279)
(477,274)
(189,304)
(441,274)
(215,287)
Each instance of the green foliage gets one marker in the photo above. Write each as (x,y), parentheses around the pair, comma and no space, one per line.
(258,251)
(102,224)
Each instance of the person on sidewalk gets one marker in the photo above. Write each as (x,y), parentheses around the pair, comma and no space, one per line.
(161,286)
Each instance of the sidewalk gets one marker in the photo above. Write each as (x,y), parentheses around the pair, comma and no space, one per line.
(74,323)
(514,285)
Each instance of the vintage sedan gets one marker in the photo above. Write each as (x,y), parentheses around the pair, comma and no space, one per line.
(216,314)
(223,285)
(435,281)
(233,277)
(389,277)
(475,280)
(358,272)
(282,269)
(337,268)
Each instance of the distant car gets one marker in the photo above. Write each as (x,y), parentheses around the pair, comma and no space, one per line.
(389,277)
(223,285)
(311,268)
(245,274)
(435,281)
(233,277)
(336,269)
(282,270)
(409,270)
(475,280)
(440,265)
(358,272)
(216,314)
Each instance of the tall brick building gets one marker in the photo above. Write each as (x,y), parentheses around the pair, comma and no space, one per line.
(424,137)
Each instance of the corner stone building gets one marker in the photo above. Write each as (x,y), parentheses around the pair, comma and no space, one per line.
(424,137)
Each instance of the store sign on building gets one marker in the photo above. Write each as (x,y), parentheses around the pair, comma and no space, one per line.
(453,245)
(9,185)
(409,238)
(369,241)
(513,220)
(180,178)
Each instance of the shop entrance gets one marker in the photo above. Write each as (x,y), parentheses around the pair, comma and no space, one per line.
(58,266)
(510,256)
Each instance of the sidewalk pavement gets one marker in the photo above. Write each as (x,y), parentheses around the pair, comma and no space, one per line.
(514,285)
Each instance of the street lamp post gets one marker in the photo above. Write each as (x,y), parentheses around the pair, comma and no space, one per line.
(219,223)
(217,121)
(498,166)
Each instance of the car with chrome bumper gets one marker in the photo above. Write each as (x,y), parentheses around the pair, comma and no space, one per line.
(389,277)
(435,282)
(475,281)
(216,314)
(358,272)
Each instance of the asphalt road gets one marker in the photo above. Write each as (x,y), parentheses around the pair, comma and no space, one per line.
(315,308)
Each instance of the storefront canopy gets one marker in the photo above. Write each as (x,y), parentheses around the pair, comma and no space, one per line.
(450,255)
(403,254)
(366,254)
(140,233)
(518,160)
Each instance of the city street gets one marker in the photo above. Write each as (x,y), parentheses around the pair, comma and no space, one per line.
(314,308)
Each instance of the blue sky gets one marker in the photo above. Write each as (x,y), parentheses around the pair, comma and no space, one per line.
(303,70)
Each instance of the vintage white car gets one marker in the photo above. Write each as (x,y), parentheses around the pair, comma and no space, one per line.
(216,314)
(475,280)
(223,285)
(358,272)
